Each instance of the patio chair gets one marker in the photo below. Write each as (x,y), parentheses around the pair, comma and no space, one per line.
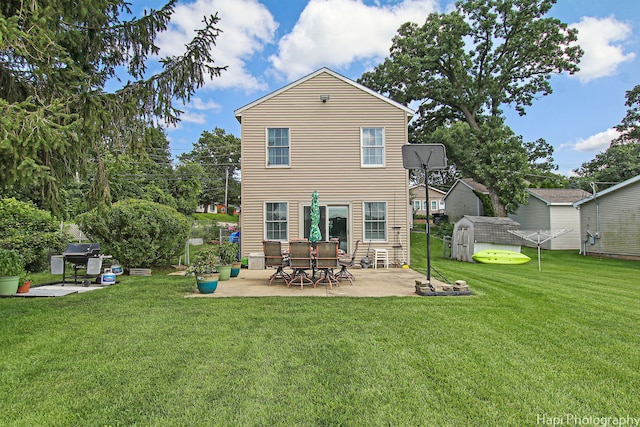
(344,273)
(301,261)
(326,261)
(273,258)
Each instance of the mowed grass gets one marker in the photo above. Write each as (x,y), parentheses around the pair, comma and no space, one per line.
(528,346)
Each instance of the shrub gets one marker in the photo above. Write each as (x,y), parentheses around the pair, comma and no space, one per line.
(11,263)
(442,229)
(138,233)
(31,232)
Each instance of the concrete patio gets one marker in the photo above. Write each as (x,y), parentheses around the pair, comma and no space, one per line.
(369,283)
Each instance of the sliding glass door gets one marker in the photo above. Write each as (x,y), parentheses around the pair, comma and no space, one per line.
(334,223)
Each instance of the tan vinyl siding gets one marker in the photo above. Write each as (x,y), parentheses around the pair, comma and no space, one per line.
(324,156)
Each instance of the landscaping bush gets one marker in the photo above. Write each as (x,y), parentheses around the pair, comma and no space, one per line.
(442,229)
(31,232)
(138,233)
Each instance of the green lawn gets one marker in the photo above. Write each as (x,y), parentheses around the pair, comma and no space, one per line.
(528,347)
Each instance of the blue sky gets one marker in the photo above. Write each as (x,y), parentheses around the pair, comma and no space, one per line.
(269,43)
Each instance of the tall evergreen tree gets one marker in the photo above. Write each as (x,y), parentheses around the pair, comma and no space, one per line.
(56,59)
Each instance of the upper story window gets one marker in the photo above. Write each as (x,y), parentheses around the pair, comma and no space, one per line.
(372,147)
(278,145)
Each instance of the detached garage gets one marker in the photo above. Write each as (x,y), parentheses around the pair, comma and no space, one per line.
(473,234)
(610,221)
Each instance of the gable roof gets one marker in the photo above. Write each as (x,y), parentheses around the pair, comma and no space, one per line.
(239,111)
(608,190)
(558,196)
(411,187)
(470,183)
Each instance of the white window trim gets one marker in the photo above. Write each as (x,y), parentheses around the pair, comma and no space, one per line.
(264,219)
(434,208)
(266,148)
(386,222)
(384,147)
(417,204)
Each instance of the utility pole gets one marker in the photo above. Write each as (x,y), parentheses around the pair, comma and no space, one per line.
(226,189)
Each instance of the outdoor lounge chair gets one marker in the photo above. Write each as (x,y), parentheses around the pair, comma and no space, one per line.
(273,258)
(326,261)
(344,273)
(301,261)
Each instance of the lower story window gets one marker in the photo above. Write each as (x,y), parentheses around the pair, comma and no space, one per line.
(375,221)
(276,221)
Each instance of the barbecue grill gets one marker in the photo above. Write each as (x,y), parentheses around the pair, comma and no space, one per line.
(81,255)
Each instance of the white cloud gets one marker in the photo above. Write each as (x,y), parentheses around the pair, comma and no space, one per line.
(247,26)
(597,142)
(190,117)
(200,104)
(336,33)
(602,56)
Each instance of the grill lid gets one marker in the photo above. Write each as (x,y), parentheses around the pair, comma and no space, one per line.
(85,249)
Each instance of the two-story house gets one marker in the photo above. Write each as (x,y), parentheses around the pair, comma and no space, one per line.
(328,133)
(418,196)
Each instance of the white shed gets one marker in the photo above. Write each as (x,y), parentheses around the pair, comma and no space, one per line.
(472,234)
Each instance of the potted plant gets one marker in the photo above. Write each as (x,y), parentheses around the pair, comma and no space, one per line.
(11,267)
(227,251)
(24,284)
(205,267)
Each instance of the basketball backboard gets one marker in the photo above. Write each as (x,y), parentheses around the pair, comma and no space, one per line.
(424,156)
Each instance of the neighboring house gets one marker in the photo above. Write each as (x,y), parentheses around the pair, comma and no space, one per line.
(418,197)
(206,209)
(551,209)
(328,133)
(610,221)
(463,199)
(473,234)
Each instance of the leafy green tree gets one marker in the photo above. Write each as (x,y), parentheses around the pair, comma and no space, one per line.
(621,161)
(56,115)
(464,66)
(186,187)
(218,153)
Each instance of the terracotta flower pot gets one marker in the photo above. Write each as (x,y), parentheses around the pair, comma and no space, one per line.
(24,288)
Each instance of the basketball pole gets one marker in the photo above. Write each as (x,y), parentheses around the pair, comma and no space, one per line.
(428,226)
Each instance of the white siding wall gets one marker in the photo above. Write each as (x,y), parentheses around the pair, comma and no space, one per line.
(565,217)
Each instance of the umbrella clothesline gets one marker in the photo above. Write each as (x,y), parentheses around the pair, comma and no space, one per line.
(539,237)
